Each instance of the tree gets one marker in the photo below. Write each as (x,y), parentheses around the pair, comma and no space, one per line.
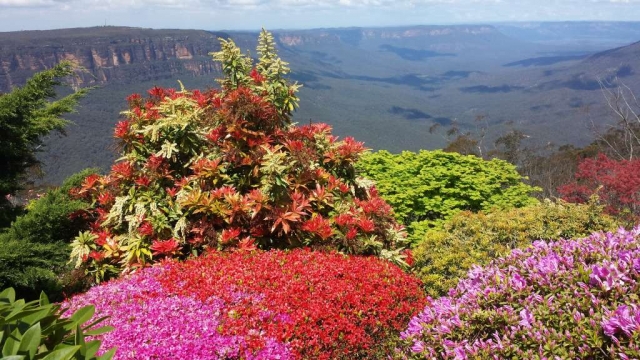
(26,115)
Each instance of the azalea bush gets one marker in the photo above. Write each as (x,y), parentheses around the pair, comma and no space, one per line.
(446,254)
(569,299)
(616,182)
(427,187)
(297,304)
(227,169)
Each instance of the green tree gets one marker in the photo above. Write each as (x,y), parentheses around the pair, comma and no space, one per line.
(26,115)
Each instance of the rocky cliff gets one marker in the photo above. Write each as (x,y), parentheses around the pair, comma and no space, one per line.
(108,54)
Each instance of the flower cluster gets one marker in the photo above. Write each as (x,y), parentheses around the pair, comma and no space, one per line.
(570,299)
(227,169)
(299,304)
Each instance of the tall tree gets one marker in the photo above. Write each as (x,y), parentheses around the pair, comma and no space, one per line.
(26,115)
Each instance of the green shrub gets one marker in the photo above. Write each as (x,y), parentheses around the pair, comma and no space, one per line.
(35,250)
(37,330)
(427,187)
(467,239)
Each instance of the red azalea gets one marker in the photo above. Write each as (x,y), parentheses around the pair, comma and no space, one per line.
(169,247)
(344,219)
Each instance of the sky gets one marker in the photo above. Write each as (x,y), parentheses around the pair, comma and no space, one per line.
(299,14)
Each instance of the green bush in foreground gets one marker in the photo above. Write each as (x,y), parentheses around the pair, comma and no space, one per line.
(34,251)
(467,239)
(427,187)
(36,330)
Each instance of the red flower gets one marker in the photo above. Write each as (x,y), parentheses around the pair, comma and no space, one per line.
(352,233)
(157,92)
(122,129)
(171,191)
(102,237)
(167,247)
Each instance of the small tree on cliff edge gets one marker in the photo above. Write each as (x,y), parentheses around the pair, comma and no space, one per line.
(26,115)
(227,170)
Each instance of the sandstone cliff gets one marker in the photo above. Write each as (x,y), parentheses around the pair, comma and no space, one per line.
(109,54)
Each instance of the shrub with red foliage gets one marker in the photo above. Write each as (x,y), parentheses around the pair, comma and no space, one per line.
(319,305)
(227,169)
(616,183)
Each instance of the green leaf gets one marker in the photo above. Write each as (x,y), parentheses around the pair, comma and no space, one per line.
(108,355)
(12,344)
(44,300)
(99,331)
(90,349)
(79,336)
(8,296)
(82,315)
(14,357)
(30,341)
(65,353)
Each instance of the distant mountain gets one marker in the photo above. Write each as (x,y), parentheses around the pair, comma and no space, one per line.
(387,87)
(593,34)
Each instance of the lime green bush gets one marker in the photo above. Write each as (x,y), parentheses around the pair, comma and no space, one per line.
(35,250)
(37,330)
(427,187)
(467,239)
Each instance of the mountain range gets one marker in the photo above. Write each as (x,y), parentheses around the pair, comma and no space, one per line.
(385,86)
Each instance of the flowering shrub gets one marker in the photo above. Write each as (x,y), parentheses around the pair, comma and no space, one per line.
(258,305)
(570,299)
(446,254)
(617,184)
(227,169)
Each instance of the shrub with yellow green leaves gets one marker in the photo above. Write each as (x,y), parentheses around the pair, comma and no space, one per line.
(467,239)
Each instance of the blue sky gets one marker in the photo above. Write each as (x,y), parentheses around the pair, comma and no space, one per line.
(278,14)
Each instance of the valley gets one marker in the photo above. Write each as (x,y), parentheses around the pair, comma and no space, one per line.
(387,87)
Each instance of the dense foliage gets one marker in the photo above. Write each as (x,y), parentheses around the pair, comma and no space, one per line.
(40,330)
(226,169)
(26,115)
(616,182)
(570,299)
(34,251)
(446,254)
(426,187)
(298,304)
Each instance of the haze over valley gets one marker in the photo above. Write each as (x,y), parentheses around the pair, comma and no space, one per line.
(395,88)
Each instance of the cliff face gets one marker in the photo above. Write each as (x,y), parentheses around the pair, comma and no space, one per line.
(109,54)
